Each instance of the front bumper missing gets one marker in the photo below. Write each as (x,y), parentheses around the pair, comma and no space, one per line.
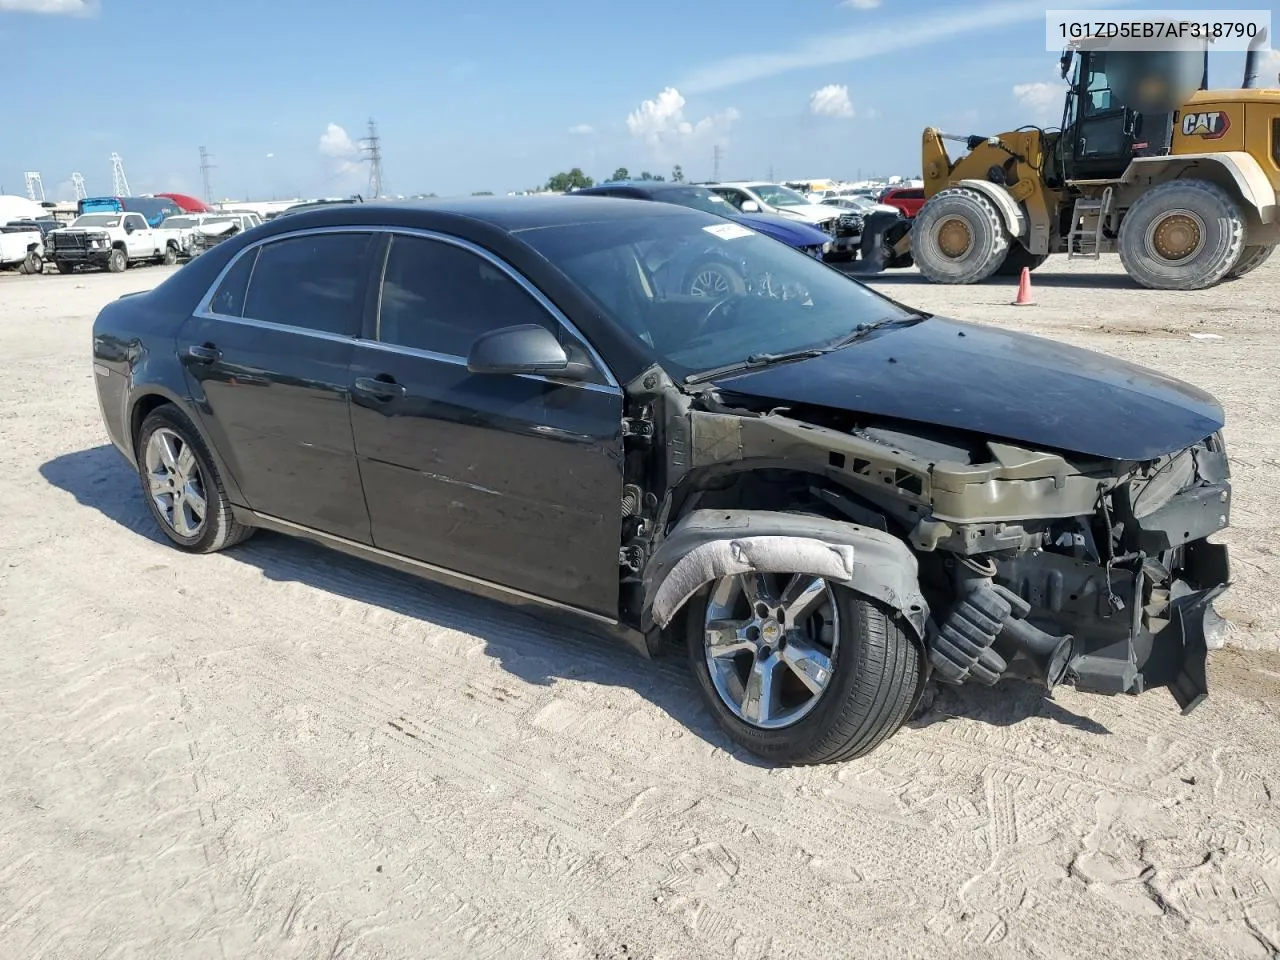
(1147,629)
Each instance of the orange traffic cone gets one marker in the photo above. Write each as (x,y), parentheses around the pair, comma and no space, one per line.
(1024,289)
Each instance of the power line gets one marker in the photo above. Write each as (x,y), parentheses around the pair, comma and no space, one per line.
(205,167)
(371,147)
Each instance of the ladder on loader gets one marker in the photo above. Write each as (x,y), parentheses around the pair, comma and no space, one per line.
(1088,221)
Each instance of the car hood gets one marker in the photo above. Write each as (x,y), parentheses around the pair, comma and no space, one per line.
(810,213)
(1004,385)
(780,228)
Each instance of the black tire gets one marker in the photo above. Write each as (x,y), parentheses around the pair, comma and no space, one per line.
(729,281)
(1251,259)
(170,255)
(1221,233)
(954,216)
(219,528)
(876,677)
(64,267)
(33,264)
(118,262)
(1017,258)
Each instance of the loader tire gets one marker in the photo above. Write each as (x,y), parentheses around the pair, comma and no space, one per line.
(1250,260)
(1182,235)
(1017,258)
(959,237)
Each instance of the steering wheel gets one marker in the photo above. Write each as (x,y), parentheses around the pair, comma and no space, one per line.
(719,316)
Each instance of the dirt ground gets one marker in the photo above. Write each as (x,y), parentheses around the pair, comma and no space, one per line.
(278,752)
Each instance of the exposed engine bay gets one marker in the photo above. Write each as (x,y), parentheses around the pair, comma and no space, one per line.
(1041,564)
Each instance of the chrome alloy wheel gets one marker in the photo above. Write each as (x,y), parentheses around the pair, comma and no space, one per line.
(710,282)
(770,641)
(175,482)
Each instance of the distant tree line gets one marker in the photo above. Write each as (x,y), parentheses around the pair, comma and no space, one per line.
(575,179)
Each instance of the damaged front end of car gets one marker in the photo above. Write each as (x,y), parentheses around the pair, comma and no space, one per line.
(1037,564)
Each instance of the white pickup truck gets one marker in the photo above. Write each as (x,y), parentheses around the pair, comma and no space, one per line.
(21,247)
(111,240)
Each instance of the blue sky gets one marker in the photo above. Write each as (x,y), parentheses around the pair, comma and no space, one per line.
(500,94)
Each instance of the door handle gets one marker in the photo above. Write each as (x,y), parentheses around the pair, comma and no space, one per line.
(204,352)
(378,388)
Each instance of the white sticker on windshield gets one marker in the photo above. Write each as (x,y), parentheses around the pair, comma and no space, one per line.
(728,231)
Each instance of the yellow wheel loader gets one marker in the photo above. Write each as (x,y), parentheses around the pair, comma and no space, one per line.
(1180,182)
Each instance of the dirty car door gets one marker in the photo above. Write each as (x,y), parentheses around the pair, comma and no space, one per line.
(516,480)
(267,355)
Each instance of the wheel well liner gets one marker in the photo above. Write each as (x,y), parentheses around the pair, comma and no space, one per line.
(708,544)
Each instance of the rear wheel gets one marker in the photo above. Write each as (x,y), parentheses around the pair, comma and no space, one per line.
(118,262)
(181,485)
(64,267)
(1017,258)
(1182,235)
(798,670)
(959,237)
(1250,260)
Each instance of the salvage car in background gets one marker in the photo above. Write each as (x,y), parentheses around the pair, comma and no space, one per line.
(823,496)
(845,230)
(22,247)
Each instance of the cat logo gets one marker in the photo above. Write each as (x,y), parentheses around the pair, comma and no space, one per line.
(1209,126)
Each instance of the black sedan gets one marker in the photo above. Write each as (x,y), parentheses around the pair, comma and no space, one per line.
(826,497)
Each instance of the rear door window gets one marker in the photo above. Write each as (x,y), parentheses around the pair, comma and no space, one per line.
(316,282)
(228,301)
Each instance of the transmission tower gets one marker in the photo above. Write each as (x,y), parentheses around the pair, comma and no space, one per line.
(205,167)
(371,147)
(77,183)
(35,187)
(717,155)
(119,182)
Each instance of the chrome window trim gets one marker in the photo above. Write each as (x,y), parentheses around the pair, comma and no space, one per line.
(204,309)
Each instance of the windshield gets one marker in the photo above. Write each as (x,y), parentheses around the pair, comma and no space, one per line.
(179,223)
(699,198)
(777,196)
(701,293)
(97,220)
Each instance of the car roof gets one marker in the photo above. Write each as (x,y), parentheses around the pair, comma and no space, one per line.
(511,214)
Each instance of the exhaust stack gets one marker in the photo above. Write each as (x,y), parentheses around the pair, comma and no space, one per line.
(1251,59)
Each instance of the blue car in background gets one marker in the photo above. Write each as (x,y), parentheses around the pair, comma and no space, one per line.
(702,276)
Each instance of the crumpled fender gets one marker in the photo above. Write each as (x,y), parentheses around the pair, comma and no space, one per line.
(709,544)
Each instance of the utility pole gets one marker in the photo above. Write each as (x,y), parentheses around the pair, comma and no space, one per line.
(119,182)
(717,155)
(371,147)
(205,167)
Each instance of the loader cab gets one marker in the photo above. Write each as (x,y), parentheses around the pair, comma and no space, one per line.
(1101,133)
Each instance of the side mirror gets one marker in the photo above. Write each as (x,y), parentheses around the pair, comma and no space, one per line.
(524,348)
(750,206)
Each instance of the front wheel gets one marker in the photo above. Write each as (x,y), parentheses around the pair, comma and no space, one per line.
(958,237)
(182,487)
(118,262)
(798,670)
(34,264)
(64,266)
(170,255)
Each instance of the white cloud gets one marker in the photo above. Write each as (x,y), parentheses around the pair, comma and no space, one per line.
(1043,100)
(66,8)
(582,129)
(661,123)
(861,4)
(1269,68)
(270,156)
(336,143)
(832,101)
(831,48)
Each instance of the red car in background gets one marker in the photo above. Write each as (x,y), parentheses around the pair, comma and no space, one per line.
(907,199)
